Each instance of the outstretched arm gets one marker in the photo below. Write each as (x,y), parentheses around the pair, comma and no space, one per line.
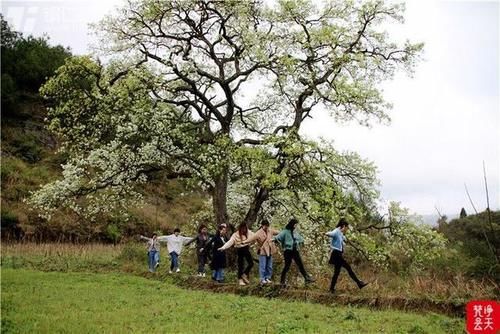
(228,244)
(300,239)
(331,233)
(279,237)
(190,241)
(144,238)
(251,239)
(163,238)
(187,240)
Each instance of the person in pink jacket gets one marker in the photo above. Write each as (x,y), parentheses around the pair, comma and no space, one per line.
(243,251)
(265,249)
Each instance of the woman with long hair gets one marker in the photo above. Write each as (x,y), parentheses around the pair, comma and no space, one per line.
(291,241)
(218,257)
(238,239)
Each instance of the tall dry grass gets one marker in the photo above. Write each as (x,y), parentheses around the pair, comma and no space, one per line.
(131,258)
(61,249)
(457,287)
(61,256)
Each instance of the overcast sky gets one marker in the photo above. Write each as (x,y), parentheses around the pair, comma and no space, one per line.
(445,120)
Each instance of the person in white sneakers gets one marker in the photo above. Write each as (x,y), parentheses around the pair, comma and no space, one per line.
(242,250)
(265,249)
(175,242)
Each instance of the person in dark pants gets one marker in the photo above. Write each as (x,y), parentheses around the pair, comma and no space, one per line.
(238,239)
(218,257)
(202,251)
(290,241)
(336,258)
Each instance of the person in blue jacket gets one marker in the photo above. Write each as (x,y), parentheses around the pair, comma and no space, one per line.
(336,259)
(291,241)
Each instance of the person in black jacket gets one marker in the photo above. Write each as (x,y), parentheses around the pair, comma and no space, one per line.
(218,257)
(202,251)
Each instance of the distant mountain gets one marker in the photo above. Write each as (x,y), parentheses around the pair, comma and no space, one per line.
(432,219)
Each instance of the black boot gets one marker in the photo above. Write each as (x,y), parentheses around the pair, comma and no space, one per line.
(362,284)
(310,280)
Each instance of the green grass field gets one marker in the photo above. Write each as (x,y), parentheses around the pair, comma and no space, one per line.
(54,302)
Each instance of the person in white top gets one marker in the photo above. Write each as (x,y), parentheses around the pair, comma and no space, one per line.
(175,242)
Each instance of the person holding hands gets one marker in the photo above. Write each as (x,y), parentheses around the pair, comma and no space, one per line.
(265,249)
(291,241)
(238,240)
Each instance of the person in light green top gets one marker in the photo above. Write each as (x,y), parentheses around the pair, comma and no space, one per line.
(290,241)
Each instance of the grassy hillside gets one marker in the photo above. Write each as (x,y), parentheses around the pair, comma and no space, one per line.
(477,237)
(423,293)
(113,303)
(30,159)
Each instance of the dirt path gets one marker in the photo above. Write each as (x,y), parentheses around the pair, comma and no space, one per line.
(310,294)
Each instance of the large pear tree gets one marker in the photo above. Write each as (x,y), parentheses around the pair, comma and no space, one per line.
(217,92)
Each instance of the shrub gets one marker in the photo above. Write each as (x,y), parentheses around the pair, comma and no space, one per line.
(9,219)
(113,233)
(470,236)
(133,252)
(27,149)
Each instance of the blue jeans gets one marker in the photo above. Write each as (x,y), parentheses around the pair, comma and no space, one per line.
(265,267)
(153,259)
(218,274)
(174,261)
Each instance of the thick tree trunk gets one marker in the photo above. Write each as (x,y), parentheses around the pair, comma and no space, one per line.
(219,199)
(260,197)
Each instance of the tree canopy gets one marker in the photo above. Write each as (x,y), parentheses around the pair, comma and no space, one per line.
(27,62)
(216,92)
